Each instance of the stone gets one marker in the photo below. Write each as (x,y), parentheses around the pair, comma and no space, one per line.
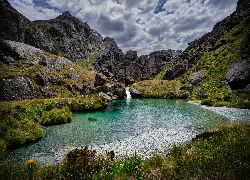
(238,75)
(100,79)
(92,119)
(200,91)
(18,88)
(196,78)
(135,93)
(175,72)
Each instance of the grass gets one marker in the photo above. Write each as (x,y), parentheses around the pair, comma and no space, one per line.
(21,120)
(224,153)
(159,89)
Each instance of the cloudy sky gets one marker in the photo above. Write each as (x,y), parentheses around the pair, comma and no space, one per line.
(140,25)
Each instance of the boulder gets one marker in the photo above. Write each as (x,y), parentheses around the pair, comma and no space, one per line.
(238,75)
(100,79)
(135,93)
(105,96)
(175,72)
(196,78)
(183,95)
(18,88)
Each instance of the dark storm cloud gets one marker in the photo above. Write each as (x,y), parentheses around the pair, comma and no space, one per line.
(109,24)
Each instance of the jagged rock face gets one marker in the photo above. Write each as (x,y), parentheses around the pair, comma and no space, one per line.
(14,26)
(197,48)
(175,72)
(238,75)
(196,78)
(18,88)
(100,79)
(70,37)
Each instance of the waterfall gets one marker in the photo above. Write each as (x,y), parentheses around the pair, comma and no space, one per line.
(128,93)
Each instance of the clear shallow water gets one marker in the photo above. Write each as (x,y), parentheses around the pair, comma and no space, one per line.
(145,124)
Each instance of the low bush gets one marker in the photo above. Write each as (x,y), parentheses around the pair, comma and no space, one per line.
(56,116)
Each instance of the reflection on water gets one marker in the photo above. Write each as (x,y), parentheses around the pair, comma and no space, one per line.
(121,119)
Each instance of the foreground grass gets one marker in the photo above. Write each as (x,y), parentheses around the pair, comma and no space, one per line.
(20,121)
(223,153)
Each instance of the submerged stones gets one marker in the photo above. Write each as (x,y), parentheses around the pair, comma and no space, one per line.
(92,119)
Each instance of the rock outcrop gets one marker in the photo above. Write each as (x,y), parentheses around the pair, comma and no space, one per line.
(196,78)
(17,88)
(238,75)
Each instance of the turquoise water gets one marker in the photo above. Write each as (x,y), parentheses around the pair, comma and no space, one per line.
(122,120)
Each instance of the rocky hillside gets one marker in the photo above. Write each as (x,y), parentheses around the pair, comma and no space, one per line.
(69,37)
(28,72)
(214,68)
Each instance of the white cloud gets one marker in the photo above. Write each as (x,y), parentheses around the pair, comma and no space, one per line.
(133,23)
(33,12)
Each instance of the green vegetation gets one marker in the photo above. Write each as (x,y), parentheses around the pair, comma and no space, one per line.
(215,66)
(159,89)
(223,153)
(21,120)
(88,64)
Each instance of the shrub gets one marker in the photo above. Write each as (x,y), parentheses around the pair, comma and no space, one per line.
(56,116)
(207,102)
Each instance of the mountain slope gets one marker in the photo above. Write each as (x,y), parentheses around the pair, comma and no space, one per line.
(214,68)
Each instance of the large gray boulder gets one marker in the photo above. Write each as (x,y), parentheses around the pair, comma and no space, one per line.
(18,88)
(238,75)
(196,78)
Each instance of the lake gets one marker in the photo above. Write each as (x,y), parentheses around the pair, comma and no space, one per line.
(148,125)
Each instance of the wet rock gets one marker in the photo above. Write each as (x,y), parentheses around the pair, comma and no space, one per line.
(18,88)
(196,78)
(135,93)
(238,75)
(92,119)
(119,90)
(100,79)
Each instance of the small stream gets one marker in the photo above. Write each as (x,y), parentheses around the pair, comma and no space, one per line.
(149,125)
